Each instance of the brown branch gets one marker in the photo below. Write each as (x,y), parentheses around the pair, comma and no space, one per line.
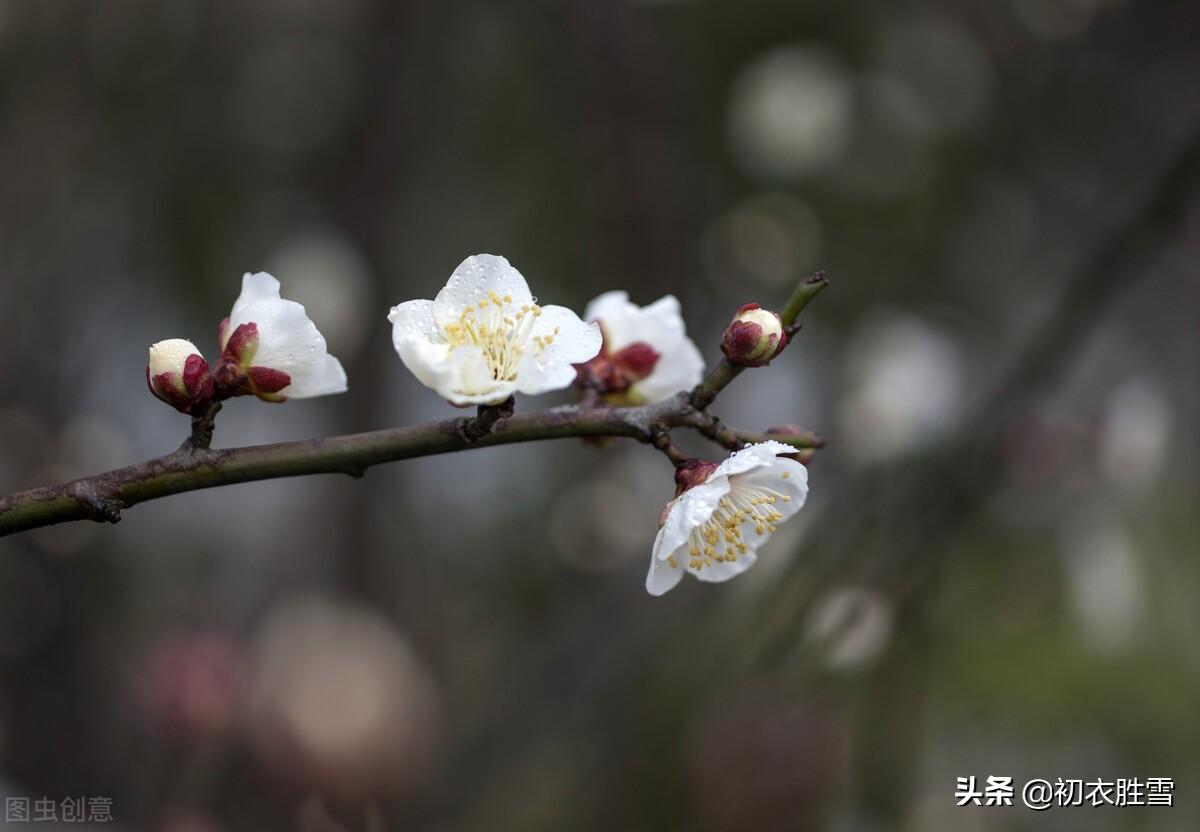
(102,497)
(195,465)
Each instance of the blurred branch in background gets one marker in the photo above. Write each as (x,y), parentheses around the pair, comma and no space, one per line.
(931,498)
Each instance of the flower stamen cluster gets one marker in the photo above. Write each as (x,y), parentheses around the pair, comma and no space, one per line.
(500,331)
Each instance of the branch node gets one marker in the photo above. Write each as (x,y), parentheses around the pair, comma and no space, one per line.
(100,508)
(485,420)
(660,438)
(203,425)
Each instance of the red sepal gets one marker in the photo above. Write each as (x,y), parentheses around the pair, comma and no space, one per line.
(637,360)
(692,472)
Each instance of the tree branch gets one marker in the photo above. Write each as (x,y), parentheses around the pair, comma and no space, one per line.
(102,497)
(195,465)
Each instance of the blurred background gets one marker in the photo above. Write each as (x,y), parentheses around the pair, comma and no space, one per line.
(996,573)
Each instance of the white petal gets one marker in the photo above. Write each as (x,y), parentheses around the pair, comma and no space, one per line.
(328,378)
(662,577)
(753,456)
(689,512)
(679,367)
(725,570)
(170,356)
(473,280)
(786,476)
(543,370)
(611,309)
(467,379)
(255,287)
(287,339)
(658,324)
(663,316)
(415,338)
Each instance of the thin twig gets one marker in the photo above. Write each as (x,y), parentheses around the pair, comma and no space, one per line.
(203,425)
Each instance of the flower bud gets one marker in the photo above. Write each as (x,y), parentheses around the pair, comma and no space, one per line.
(178,375)
(753,337)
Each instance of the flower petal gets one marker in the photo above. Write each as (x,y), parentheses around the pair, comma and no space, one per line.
(473,281)
(611,309)
(286,336)
(724,570)
(680,367)
(255,287)
(662,577)
(551,367)
(753,456)
(416,339)
(328,378)
(689,512)
(787,477)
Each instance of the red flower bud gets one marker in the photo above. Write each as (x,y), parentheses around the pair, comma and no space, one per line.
(753,337)
(178,375)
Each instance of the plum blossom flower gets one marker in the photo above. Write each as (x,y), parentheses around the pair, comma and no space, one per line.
(714,528)
(484,337)
(270,348)
(647,356)
(178,375)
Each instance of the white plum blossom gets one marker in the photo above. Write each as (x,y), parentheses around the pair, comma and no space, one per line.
(647,356)
(484,337)
(270,347)
(714,528)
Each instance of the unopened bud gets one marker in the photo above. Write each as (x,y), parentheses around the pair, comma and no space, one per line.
(178,375)
(753,337)
(691,473)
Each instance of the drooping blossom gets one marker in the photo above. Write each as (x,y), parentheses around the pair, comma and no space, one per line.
(713,529)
